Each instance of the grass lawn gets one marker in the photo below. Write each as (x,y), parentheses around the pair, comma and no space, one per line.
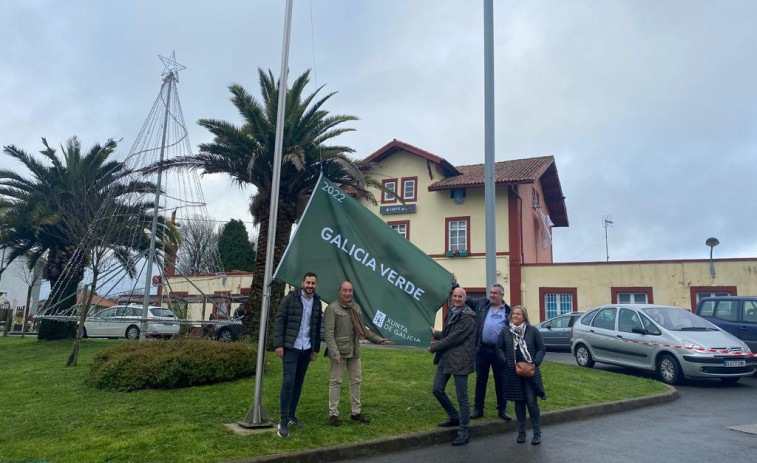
(48,414)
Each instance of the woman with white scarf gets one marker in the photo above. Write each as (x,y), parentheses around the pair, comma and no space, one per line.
(522,343)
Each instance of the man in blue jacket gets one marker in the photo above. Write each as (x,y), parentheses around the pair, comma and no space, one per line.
(297,337)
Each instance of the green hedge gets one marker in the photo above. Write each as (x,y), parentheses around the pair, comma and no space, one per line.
(50,330)
(169,364)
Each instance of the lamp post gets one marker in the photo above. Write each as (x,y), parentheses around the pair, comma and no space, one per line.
(712,242)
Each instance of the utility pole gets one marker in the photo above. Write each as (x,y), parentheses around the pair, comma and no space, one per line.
(606,222)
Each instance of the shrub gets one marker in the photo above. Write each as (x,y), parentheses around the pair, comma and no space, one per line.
(50,330)
(170,364)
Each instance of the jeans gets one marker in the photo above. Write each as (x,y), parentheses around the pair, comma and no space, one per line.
(295,366)
(487,359)
(461,387)
(529,393)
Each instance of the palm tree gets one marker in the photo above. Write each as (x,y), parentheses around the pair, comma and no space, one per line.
(245,153)
(74,210)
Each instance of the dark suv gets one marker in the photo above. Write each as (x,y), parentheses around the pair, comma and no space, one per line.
(735,314)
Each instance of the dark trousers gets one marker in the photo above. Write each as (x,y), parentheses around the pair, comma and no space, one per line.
(487,359)
(295,366)
(461,388)
(529,393)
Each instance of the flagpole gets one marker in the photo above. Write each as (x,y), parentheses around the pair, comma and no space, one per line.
(489,196)
(256,415)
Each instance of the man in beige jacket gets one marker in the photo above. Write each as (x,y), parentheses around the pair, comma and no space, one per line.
(344,327)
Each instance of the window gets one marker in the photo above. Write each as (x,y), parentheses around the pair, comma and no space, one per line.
(561,322)
(402,227)
(107,313)
(458,233)
(631,295)
(589,317)
(132,311)
(750,312)
(727,310)
(650,327)
(702,295)
(698,292)
(632,298)
(409,192)
(557,304)
(557,301)
(605,319)
(628,320)
(707,309)
(391,185)
(535,203)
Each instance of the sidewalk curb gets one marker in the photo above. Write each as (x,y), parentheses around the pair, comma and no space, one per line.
(445,436)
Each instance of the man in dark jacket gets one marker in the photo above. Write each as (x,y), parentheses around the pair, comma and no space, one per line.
(492,316)
(455,350)
(297,337)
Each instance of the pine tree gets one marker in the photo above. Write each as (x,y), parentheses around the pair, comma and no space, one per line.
(235,248)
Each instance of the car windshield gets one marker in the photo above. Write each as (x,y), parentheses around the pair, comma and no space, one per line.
(162,313)
(675,319)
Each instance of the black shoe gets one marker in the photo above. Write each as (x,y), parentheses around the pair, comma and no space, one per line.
(477,414)
(521,437)
(360,418)
(505,416)
(449,423)
(536,440)
(461,440)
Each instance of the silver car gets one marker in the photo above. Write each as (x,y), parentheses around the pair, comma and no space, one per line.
(124,321)
(556,331)
(671,341)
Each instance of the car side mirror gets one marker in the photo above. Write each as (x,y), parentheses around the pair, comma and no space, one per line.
(549,327)
(638,330)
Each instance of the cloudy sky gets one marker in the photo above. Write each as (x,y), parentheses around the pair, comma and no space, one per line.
(648,106)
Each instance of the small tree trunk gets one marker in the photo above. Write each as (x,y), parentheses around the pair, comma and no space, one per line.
(8,321)
(87,298)
(26,310)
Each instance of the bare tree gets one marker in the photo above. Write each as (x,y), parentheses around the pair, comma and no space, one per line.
(198,251)
(30,276)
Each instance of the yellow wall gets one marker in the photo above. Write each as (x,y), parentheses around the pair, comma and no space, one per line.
(670,280)
(209,284)
(427,225)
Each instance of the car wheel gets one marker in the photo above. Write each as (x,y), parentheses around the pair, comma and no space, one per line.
(583,356)
(730,380)
(132,332)
(225,335)
(669,369)
(83,332)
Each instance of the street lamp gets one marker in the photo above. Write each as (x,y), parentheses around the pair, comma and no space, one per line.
(712,242)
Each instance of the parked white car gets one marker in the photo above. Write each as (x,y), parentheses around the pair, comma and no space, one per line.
(123,321)
(671,341)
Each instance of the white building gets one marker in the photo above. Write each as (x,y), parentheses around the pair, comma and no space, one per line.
(15,280)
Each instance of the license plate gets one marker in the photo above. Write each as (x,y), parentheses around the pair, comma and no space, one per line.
(735,363)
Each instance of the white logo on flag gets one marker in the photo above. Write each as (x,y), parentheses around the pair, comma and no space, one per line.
(378,320)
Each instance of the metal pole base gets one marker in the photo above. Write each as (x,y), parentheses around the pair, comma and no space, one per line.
(251,425)
(249,421)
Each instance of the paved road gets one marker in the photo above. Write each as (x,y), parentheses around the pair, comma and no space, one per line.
(693,428)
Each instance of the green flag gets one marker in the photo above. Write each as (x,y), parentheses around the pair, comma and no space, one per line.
(398,286)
